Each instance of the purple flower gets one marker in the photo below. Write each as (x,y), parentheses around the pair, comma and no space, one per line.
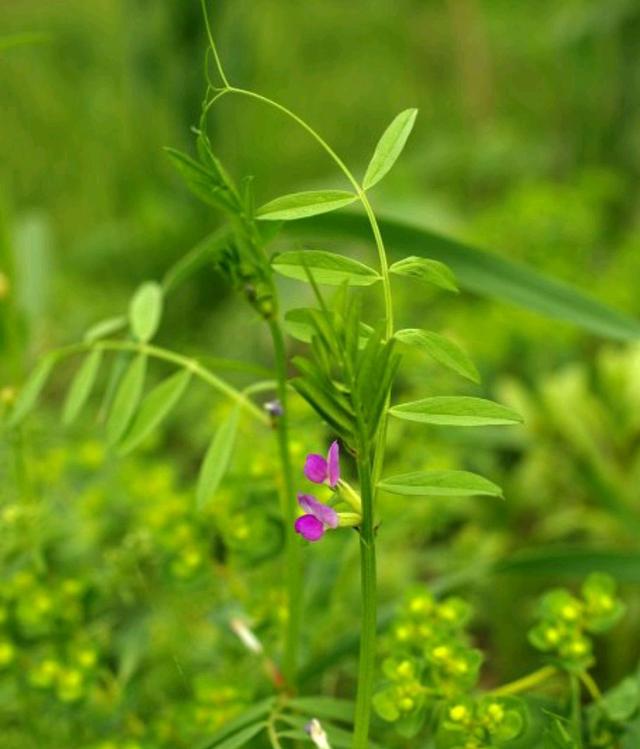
(318,518)
(321,471)
(274,408)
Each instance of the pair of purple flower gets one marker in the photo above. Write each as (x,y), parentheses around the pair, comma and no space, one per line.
(318,516)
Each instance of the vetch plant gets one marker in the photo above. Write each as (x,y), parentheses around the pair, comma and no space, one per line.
(346,375)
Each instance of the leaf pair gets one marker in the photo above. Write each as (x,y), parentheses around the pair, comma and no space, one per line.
(316,202)
(131,418)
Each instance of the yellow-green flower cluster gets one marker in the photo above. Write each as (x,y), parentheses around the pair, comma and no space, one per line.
(480,723)
(435,633)
(41,638)
(431,656)
(566,621)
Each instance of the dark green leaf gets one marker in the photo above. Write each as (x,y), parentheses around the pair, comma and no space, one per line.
(155,408)
(441,349)
(31,390)
(205,182)
(325,267)
(573,563)
(456,411)
(299,324)
(126,399)
(439,484)
(145,311)
(305,204)
(81,386)
(424,269)
(250,716)
(216,459)
(389,147)
(240,739)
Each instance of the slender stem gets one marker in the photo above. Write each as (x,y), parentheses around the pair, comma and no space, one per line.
(368,478)
(531,681)
(272,731)
(576,708)
(212,45)
(289,512)
(174,358)
(366,665)
(382,257)
(591,686)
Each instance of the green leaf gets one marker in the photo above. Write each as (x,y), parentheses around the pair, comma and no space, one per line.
(81,386)
(240,739)
(31,390)
(429,271)
(145,311)
(439,484)
(305,204)
(208,183)
(216,460)
(324,707)
(155,408)
(460,411)
(441,349)
(389,147)
(126,399)
(325,267)
(299,325)
(573,563)
(250,716)
(621,702)
(105,328)
(483,273)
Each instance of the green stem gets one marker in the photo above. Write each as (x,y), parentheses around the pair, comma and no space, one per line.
(591,686)
(289,512)
(382,257)
(576,709)
(212,45)
(366,665)
(526,683)
(368,479)
(172,357)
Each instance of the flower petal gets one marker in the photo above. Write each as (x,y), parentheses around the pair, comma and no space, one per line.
(309,527)
(315,468)
(333,464)
(325,514)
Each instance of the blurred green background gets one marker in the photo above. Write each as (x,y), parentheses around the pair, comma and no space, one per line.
(527,143)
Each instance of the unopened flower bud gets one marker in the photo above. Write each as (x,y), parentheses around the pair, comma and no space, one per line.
(246,636)
(317,734)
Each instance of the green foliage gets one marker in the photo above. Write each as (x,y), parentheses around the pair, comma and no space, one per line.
(305,204)
(81,386)
(429,271)
(216,459)
(439,484)
(126,399)
(389,147)
(325,267)
(145,311)
(456,411)
(154,408)
(441,349)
